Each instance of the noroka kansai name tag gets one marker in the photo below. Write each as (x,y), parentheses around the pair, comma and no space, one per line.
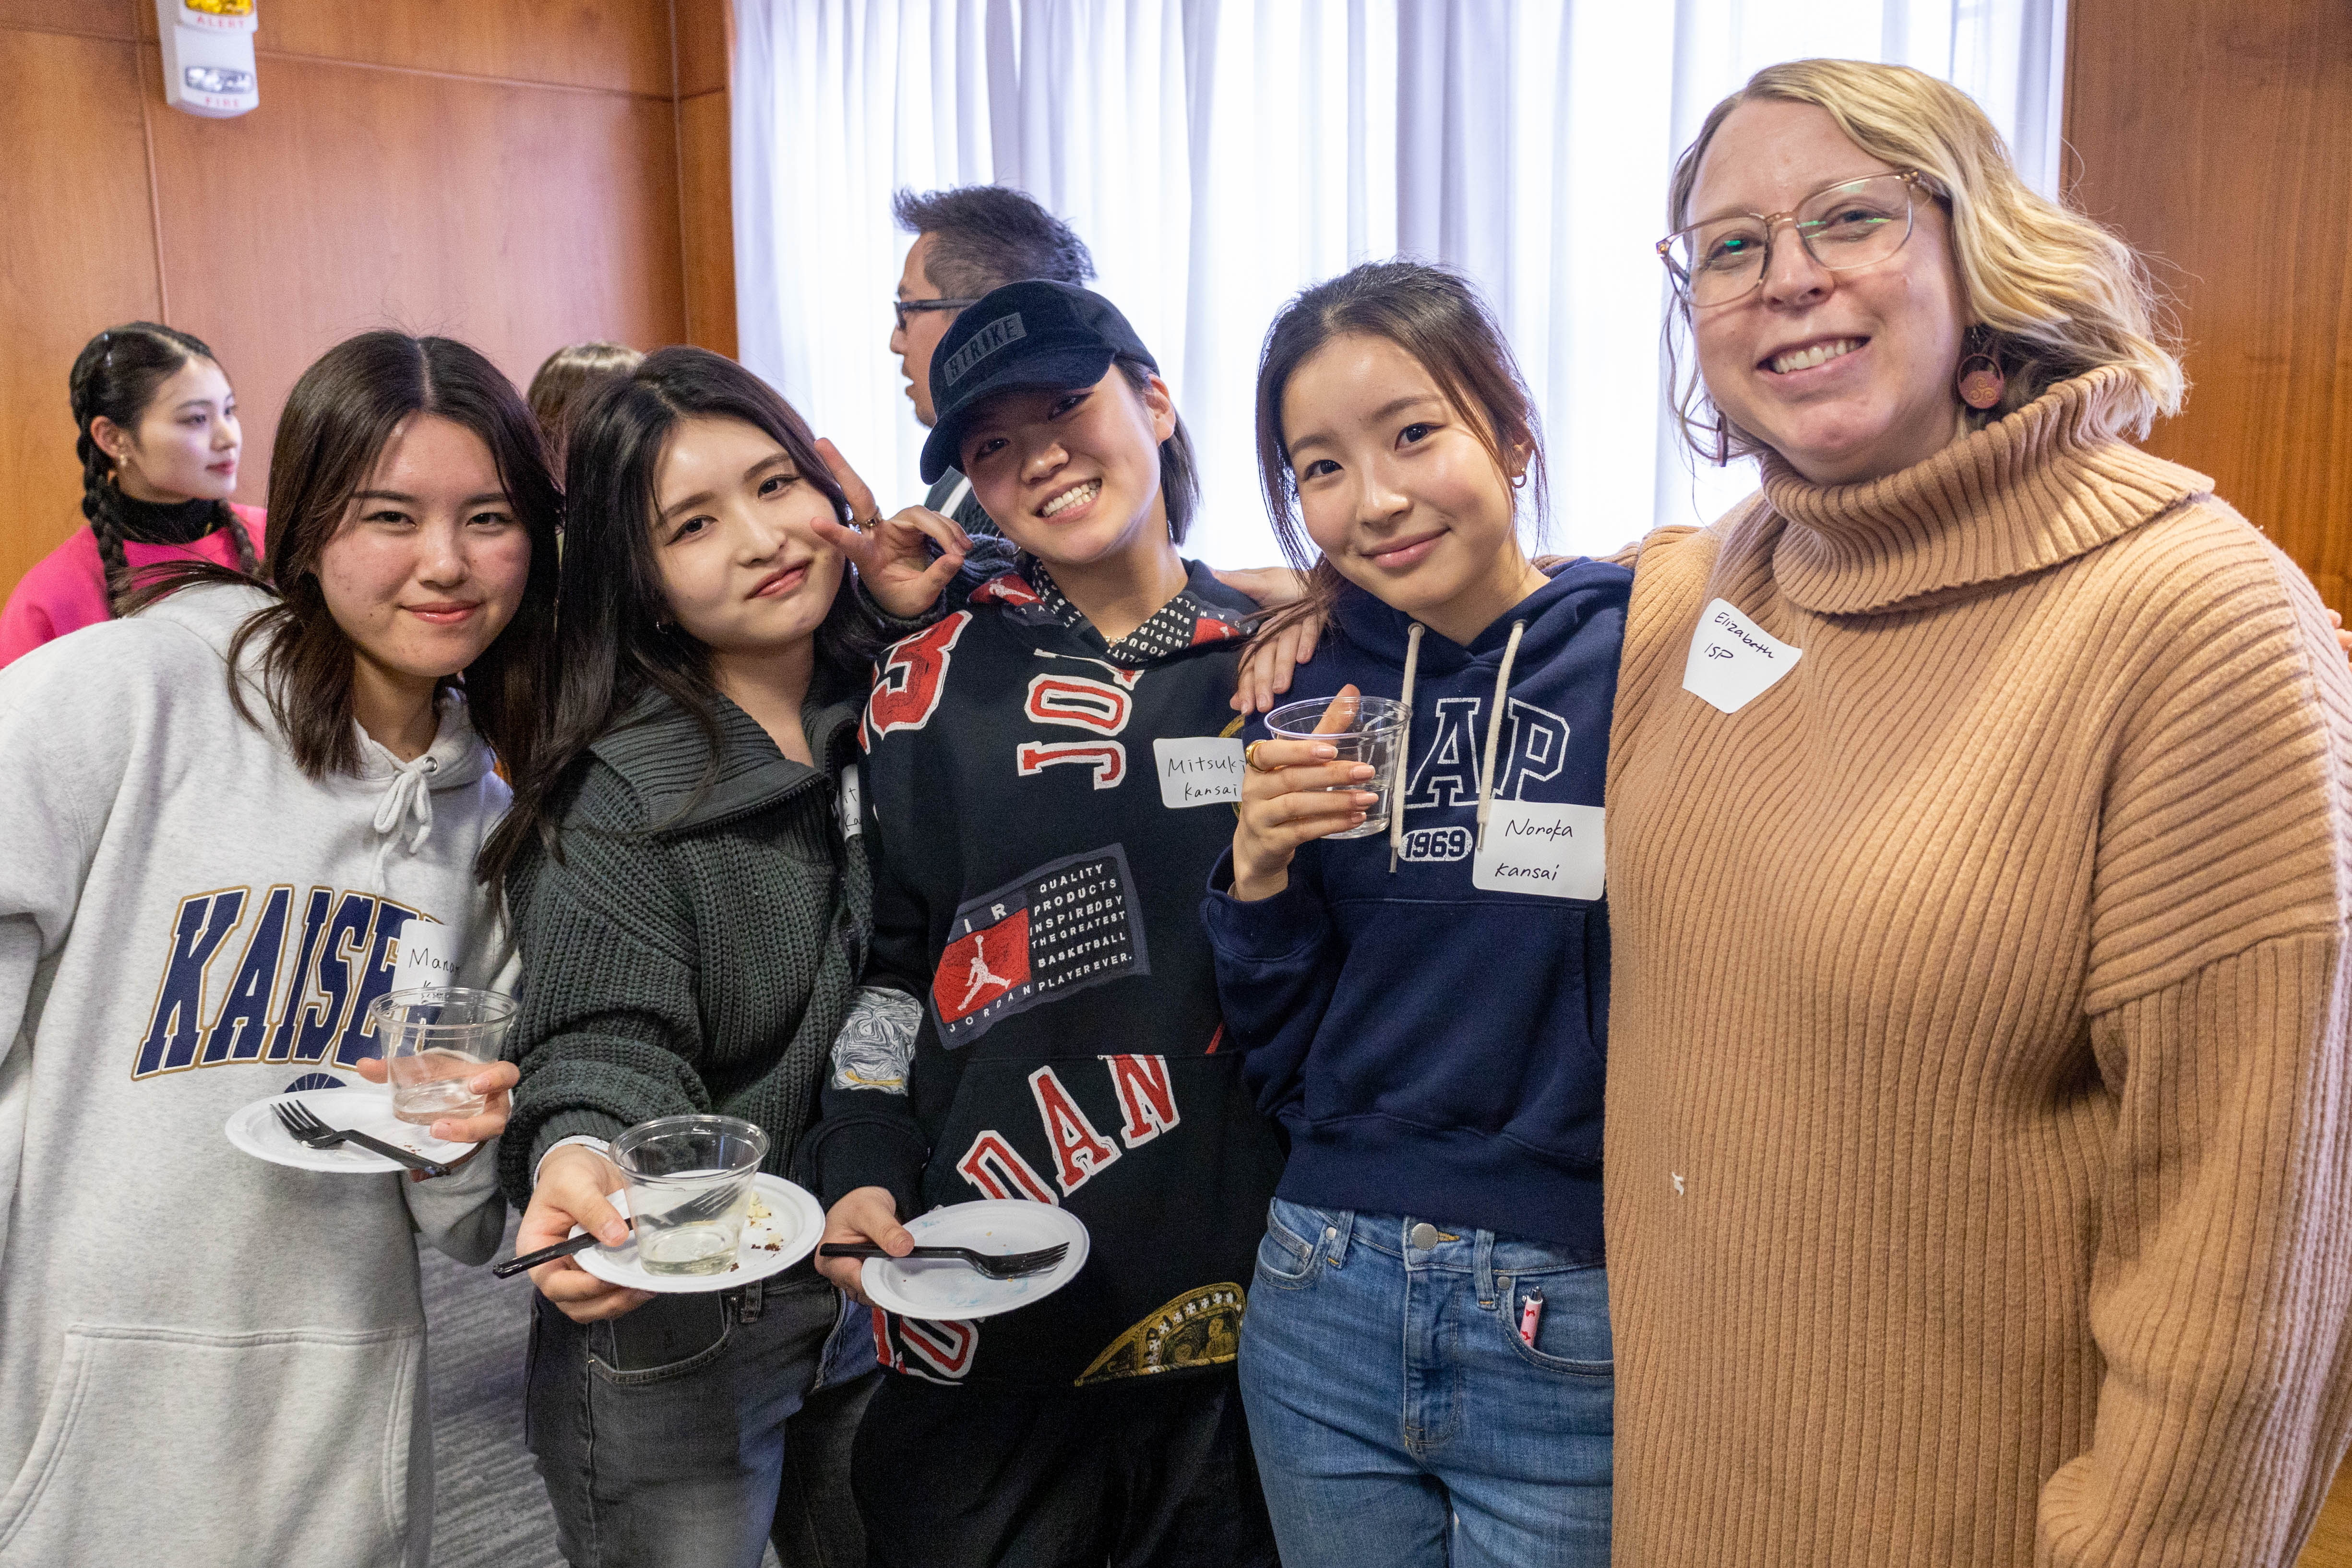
(1733,660)
(1550,851)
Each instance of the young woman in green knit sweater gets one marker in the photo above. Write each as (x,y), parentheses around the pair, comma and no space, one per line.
(692,921)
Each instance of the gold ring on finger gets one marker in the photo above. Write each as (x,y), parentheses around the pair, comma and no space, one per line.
(1249,756)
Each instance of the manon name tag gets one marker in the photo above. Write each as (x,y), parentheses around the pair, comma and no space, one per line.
(427,955)
(1551,851)
(1732,659)
(1199,771)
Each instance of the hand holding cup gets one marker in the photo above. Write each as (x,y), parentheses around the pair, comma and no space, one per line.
(1295,791)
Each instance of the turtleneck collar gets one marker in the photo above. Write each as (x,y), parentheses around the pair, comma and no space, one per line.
(2047,483)
(161,522)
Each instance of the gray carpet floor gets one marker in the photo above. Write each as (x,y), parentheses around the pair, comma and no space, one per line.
(489,1510)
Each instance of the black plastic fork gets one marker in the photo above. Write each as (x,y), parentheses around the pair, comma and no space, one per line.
(1000,1265)
(694,1211)
(304,1126)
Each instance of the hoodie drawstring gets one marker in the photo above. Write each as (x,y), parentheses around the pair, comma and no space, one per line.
(409,796)
(1494,728)
(1404,749)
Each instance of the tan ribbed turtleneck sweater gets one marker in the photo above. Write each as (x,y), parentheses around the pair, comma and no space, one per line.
(1979,1159)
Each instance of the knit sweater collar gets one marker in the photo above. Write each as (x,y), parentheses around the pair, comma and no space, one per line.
(663,755)
(2046,484)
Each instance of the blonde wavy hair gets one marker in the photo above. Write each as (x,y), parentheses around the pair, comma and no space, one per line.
(2053,294)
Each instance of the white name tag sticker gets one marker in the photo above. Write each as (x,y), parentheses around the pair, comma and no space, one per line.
(427,955)
(853,803)
(1199,772)
(1551,851)
(1733,660)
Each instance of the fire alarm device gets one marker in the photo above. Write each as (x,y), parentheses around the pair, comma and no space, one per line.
(208,56)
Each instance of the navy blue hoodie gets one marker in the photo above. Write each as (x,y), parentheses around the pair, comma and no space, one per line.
(1431,1036)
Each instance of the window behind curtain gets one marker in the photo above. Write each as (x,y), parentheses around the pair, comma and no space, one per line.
(1218,155)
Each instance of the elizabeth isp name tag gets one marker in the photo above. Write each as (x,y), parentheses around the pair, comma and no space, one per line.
(1551,851)
(1732,659)
(1199,771)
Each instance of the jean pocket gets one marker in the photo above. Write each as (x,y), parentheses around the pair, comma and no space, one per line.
(1572,1324)
(1286,1259)
(668,1337)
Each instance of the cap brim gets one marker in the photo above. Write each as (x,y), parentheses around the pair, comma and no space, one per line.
(1077,365)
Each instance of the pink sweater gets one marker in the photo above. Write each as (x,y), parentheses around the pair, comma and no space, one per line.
(67,590)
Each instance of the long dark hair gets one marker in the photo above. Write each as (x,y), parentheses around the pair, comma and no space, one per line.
(115,377)
(337,420)
(1436,317)
(617,642)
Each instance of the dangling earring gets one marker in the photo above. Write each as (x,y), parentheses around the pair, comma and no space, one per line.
(1982,388)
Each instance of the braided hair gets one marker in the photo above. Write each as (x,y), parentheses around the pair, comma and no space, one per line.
(116,376)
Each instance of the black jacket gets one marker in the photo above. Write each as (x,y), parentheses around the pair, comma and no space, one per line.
(1036,898)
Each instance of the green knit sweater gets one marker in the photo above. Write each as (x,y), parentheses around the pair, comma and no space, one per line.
(693,948)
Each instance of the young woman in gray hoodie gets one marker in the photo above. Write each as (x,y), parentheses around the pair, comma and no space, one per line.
(220,814)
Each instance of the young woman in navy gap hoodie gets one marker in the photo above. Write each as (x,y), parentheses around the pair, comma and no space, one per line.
(1426,1360)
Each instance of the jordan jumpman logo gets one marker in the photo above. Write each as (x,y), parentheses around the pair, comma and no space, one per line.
(982,978)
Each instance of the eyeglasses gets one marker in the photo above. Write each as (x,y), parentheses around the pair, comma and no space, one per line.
(1851,223)
(903,306)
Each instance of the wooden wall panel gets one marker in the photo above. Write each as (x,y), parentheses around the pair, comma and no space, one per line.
(100,18)
(705,44)
(620,46)
(516,217)
(707,217)
(76,253)
(2219,139)
(516,173)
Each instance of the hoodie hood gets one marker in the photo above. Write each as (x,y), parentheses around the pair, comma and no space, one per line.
(458,759)
(1537,630)
(1552,617)
(1204,613)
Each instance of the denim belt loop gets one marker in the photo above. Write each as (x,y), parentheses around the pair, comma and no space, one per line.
(748,1300)
(1339,1227)
(1482,1256)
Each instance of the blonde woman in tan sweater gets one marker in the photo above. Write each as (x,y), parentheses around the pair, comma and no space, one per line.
(1978,1187)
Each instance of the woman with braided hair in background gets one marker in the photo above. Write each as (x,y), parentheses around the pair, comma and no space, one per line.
(159,445)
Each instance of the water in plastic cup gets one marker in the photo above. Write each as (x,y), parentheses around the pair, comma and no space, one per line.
(434,1038)
(1372,732)
(671,1163)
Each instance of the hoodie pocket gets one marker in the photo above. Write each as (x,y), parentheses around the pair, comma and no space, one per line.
(169,1446)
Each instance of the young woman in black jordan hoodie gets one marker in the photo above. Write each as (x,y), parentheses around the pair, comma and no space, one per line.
(1068,730)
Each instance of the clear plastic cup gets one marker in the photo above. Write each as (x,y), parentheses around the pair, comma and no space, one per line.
(435,1037)
(689,1189)
(1371,734)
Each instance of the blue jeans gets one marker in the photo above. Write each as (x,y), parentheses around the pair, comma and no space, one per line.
(682,1434)
(1398,1416)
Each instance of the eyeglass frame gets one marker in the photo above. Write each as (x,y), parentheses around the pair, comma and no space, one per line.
(903,306)
(1916,182)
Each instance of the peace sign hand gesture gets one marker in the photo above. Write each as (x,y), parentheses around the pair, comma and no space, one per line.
(892,554)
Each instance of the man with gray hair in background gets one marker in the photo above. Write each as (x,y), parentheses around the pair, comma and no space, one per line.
(967,241)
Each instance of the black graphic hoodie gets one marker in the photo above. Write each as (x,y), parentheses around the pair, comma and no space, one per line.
(1039,1019)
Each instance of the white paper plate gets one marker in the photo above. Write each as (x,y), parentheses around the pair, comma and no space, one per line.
(255,1129)
(944,1288)
(771,1242)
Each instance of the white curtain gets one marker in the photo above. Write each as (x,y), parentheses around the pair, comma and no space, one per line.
(1218,155)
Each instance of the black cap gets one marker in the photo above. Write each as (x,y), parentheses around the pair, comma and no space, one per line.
(1021,336)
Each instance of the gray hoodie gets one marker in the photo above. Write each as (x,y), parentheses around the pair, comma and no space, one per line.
(206,1359)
